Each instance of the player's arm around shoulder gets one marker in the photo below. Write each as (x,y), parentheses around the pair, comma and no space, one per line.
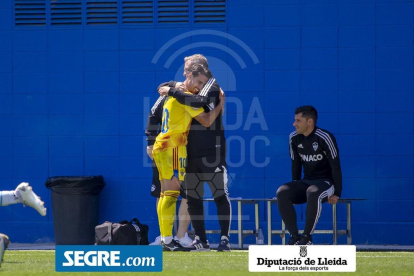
(207,119)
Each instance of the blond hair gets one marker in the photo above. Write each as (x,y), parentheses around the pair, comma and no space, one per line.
(197,59)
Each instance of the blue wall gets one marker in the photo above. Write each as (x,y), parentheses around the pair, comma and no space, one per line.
(74,101)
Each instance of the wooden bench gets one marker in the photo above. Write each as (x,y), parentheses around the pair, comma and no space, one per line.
(283,232)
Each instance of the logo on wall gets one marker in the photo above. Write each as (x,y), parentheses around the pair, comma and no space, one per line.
(226,73)
(315,146)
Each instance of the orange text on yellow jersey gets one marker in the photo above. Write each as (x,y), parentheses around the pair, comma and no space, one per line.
(176,120)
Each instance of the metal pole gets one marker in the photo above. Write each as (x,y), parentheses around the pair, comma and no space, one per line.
(348,222)
(240,229)
(256,217)
(335,234)
(269,222)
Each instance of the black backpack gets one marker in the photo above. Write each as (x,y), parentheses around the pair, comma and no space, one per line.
(122,233)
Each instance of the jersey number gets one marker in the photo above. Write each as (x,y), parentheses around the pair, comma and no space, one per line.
(182,162)
(165,117)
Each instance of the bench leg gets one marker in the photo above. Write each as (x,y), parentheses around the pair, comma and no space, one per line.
(240,228)
(348,223)
(335,234)
(269,223)
(256,218)
(283,233)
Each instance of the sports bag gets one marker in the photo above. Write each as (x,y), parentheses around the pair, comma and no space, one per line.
(122,233)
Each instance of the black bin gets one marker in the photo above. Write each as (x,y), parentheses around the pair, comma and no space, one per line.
(75,208)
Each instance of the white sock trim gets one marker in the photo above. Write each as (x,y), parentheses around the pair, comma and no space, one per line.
(8,198)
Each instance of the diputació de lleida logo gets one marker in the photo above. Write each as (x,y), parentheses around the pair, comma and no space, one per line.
(303,251)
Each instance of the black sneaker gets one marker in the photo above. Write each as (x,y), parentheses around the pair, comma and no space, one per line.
(198,245)
(224,244)
(294,239)
(173,246)
(305,240)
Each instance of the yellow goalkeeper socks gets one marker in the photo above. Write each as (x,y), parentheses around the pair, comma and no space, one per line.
(159,211)
(168,207)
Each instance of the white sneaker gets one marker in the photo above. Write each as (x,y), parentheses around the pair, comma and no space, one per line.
(25,193)
(184,241)
(4,243)
(157,241)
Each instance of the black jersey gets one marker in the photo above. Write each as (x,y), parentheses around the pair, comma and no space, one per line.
(154,121)
(202,141)
(318,154)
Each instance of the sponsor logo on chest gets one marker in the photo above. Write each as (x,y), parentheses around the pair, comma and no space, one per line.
(311,158)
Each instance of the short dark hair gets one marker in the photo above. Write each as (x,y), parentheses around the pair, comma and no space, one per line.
(308,111)
(199,69)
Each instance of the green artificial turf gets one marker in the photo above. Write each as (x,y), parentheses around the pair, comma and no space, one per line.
(42,262)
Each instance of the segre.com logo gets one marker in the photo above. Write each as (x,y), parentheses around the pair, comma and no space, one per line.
(90,258)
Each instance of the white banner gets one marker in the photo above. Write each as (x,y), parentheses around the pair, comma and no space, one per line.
(306,258)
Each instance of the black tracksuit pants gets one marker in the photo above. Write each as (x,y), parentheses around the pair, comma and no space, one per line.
(213,171)
(312,192)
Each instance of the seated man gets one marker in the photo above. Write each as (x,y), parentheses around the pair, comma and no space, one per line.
(170,152)
(316,150)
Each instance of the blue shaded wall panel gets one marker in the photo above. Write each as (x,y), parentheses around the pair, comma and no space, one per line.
(74,147)
(356,58)
(357,101)
(74,101)
(319,37)
(66,125)
(101,40)
(6,83)
(319,58)
(6,104)
(395,14)
(283,15)
(102,146)
(101,61)
(101,82)
(394,36)
(67,82)
(5,19)
(319,15)
(30,40)
(356,36)
(6,147)
(65,40)
(136,39)
(66,104)
(363,14)
(35,147)
(30,83)
(30,125)
(238,14)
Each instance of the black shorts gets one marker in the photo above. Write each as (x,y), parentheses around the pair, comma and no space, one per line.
(156,184)
(211,170)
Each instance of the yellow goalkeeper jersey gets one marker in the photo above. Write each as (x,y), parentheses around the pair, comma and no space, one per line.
(176,120)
